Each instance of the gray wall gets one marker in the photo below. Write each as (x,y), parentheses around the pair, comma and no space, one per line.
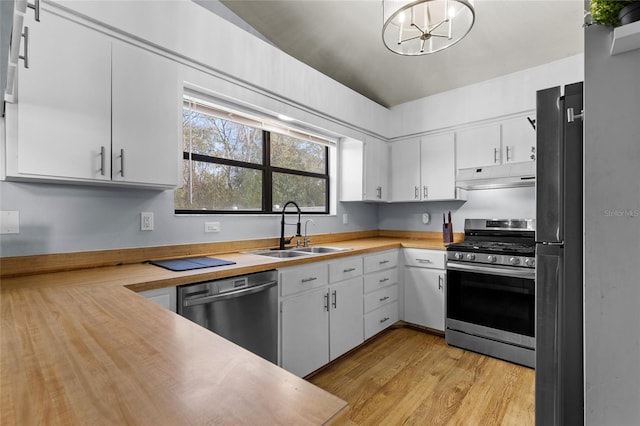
(67,218)
(612,232)
(493,203)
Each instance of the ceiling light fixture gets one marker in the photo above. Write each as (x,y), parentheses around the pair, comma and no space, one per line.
(425,26)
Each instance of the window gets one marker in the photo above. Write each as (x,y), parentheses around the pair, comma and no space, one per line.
(236,164)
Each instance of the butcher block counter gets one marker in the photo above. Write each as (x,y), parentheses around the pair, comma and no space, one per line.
(80,347)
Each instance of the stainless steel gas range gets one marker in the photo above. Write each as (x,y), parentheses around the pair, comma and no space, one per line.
(490,297)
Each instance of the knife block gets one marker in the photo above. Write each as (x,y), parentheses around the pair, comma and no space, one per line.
(447,233)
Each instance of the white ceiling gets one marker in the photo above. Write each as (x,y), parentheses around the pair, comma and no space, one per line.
(342,39)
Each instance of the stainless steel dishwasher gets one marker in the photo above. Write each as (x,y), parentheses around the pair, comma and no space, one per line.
(242,309)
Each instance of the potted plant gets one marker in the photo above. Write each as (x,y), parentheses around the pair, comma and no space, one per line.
(608,12)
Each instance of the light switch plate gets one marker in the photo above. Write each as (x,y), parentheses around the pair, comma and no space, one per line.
(212,227)
(10,222)
(345,219)
(426,218)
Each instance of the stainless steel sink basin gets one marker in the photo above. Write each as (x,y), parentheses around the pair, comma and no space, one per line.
(320,249)
(297,251)
(278,253)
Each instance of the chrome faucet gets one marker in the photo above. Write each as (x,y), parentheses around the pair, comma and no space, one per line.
(284,241)
(305,241)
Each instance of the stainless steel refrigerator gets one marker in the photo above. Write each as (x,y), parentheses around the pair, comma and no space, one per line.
(559,267)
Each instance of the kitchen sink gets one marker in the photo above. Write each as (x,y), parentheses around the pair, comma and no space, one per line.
(320,249)
(278,253)
(297,251)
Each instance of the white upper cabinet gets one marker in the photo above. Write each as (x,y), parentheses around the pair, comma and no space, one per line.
(63,112)
(478,147)
(92,109)
(376,170)
(438,172)
(147,117)
(364,170)
(518,139)
(405,170)
(423,169)
(509,141)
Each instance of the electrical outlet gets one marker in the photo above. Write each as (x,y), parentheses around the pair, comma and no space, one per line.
(9,222)
(345,219)
(146,221)
(212,227)
(426,218)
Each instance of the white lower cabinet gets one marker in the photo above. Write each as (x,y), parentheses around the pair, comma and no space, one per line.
(424,287)
(320,321)
(345,317)
(305,337)
(378,320)
(380,291)
(165,297)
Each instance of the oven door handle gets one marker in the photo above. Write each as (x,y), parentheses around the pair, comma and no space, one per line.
(503,272)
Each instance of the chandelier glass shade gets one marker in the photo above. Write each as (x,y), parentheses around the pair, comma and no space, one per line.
(425,26)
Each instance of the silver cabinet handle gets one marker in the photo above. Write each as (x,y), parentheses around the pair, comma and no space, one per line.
(416,192)
(495,155)
(25,57)
(382,262)
(36,9)
(326,302)
(385,319)
(102,160)
(440,281)
(382,299)
(424,260)
(425,192)
(348,270)
(335,299)
(379,192)
(384,280)
(306,280)
(508,153)
(122,162)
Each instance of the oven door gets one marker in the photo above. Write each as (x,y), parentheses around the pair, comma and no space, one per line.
(491,301)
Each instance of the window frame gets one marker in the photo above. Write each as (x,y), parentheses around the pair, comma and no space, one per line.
(267,171)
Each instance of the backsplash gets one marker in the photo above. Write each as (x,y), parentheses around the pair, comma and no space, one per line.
(487,203)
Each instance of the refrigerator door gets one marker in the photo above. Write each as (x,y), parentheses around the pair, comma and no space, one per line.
(549,281)
(549,165)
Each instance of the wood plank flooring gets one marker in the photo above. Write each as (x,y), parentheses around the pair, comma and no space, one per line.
(408,377)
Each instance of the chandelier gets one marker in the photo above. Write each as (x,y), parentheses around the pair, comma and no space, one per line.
(425,26)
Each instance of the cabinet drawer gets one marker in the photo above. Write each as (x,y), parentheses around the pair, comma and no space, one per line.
(378,320)
(381,279)
(296,280)
(381,297)
(424,258)
(380,261)
(345,268)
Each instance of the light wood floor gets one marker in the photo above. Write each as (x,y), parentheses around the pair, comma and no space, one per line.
(408,377)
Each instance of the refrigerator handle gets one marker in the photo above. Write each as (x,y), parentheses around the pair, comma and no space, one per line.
(572,116)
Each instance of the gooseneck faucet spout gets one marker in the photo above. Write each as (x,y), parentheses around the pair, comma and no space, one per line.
(284,241)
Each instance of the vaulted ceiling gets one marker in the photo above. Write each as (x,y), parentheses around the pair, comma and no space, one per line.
(342,39)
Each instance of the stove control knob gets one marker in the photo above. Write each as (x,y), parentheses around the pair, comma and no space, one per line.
(529,262)
(458,256)
(515,260)
(492,259)
(471,256)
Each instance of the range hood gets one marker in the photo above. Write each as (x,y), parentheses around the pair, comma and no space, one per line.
(510,175)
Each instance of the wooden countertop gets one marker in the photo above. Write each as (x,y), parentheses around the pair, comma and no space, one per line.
(78,347)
